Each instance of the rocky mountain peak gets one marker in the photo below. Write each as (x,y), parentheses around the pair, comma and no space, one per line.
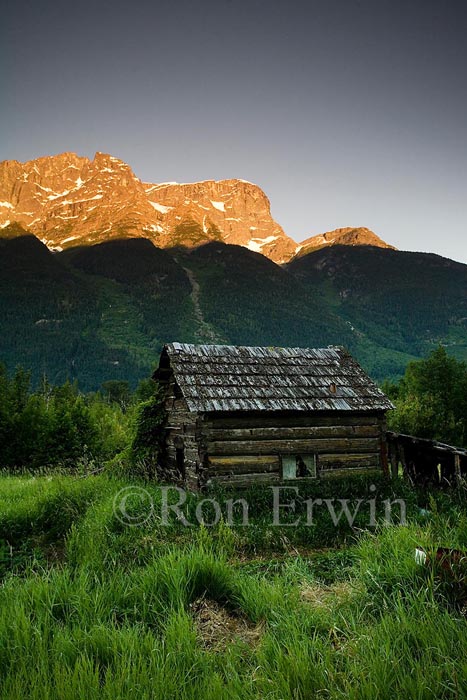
(342,236)
(68,200)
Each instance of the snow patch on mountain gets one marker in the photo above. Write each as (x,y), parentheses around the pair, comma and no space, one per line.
(155,228)
(160,207)
(257,244)
(220,206)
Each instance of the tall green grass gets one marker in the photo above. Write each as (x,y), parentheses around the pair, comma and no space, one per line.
(113,618)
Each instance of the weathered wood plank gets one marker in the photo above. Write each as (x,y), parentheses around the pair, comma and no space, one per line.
(264,447)
(410,440)
(291,433)
(394,459)
(187,437)
(288,419)
(339,473)
(243,465)
(242,480)
(180,418)
(338,461)
(457,469)
(190,453)
(179,404)
(384,446)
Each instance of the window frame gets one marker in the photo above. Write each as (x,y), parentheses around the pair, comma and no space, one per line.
(305,457)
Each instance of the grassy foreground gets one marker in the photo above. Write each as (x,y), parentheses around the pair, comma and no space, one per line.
(93,608)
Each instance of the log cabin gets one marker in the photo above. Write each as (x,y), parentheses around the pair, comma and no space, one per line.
(243,415)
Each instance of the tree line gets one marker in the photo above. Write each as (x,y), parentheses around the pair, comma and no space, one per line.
(62,427)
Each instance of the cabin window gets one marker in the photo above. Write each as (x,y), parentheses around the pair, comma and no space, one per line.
(298,466)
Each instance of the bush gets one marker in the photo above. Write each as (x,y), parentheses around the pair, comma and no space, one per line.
(57,426)
(431,399)
(147,441)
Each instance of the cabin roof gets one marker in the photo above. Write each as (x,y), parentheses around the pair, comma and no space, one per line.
(237,378)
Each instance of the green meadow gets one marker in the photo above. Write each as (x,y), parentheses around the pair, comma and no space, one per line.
(92,607)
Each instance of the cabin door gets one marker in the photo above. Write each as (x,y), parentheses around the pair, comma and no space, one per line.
(180,456)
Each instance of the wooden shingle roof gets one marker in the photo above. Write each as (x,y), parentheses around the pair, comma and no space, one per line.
(236,378)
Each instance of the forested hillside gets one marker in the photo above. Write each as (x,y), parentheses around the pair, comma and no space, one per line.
(407,303)
(103,312)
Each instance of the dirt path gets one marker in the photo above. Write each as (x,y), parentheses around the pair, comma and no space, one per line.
(206,333)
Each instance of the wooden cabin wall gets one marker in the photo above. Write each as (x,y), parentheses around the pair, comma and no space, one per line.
(245,449)
(180,433)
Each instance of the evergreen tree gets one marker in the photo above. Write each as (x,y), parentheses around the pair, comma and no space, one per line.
(431,399)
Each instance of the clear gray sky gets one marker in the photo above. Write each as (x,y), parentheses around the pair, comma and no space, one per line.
(346,112)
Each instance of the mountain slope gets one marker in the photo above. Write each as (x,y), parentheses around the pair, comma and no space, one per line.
(104,311)
(79,315)
(145,279)
(406,302)
(49,317)
(251,301)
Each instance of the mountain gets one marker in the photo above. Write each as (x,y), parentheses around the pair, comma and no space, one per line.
(50,316)
(117,267)
(104,311)
(341,236)
(81,315)
(401,301)
(246,299)
(66,200)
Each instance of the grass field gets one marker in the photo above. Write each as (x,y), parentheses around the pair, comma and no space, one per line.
(93,608)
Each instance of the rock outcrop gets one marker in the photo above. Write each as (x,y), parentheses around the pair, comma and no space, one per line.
(67,200)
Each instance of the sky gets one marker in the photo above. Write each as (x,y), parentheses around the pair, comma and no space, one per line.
(345,112)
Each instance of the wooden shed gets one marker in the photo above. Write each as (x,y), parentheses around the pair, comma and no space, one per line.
(241,415)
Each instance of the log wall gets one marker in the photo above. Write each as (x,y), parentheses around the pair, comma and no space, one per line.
(248,448)
(244,449)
